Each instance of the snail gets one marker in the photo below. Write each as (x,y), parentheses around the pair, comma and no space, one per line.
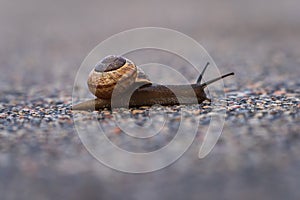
(116,75)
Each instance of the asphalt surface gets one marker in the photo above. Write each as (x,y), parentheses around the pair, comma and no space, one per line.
(257,156)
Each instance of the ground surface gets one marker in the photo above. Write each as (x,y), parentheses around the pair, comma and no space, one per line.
(257,157)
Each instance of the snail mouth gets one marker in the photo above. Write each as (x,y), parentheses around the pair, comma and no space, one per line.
(110,63)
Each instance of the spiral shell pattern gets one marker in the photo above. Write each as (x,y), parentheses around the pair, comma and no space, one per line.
(109,72)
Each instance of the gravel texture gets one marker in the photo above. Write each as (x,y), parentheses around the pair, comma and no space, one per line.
(257,155)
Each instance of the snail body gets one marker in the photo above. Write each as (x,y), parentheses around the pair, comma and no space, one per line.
(115,76)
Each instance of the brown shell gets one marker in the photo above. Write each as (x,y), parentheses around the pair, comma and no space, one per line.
(114,71)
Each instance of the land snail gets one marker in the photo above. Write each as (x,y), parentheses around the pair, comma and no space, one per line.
(113,75)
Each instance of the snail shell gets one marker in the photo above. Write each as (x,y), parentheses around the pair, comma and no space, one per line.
(115,74)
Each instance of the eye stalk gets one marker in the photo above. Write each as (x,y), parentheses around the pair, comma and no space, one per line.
(216,79)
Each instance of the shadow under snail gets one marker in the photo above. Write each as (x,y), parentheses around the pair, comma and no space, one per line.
(116,76)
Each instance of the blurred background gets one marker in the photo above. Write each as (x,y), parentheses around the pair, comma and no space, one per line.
(42,44)
(47,41)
